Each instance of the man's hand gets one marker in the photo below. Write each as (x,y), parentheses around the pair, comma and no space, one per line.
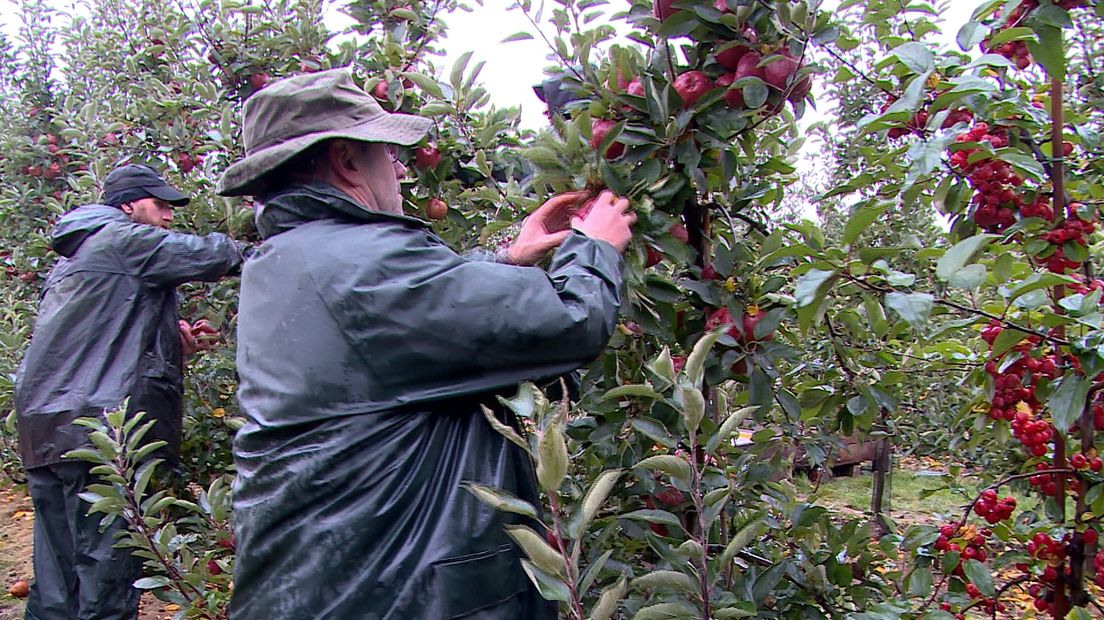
(545,229)
(198,337)
(610,219)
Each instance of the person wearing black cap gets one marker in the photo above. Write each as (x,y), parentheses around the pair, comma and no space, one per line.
(107,330)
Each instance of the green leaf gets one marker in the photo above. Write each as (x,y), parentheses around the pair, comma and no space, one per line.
(663,366)
(653,515)
(552,458)
(593,500)
(668,611)
(915,56)
(505,430)
(969,277)
(665,580)
(912,307)
(500,500)
(653,430)
(727,428)
(695,362)
(640,391)
(594,570)
(426,83)
(920,582)
(674,466)
(608,601)
(517,36)
(551,588)
(152,583)
(692,402)
(1007,339)
(458,68)
(810,285)
(979,575)
(537,549)
(970,35)
(1034,283)
(861,219)
(960,255)
(1050,50)
(1068,401)
(741,540)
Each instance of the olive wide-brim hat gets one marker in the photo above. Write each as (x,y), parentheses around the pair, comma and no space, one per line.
(293,114)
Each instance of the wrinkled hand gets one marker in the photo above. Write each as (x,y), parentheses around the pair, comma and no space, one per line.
(609,219)
(198,337)
(545,229)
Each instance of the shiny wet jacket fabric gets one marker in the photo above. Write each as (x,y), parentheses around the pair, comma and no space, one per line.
(107,328)
(365,348)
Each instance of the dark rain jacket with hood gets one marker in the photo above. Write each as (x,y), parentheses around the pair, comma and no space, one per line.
(107,329)
(365,347)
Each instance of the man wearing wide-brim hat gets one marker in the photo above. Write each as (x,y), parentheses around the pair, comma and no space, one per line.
(365,349)
(107,331)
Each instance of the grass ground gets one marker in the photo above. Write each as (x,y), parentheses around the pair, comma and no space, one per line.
(906,494)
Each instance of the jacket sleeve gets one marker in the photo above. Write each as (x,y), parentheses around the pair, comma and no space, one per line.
(166,258)
(438,318)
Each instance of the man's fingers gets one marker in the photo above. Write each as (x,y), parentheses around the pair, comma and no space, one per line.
(562,201)
(556,238)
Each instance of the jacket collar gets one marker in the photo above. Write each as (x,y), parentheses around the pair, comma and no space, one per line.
(302,204)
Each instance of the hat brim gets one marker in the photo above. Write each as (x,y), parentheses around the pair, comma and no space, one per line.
(169,194)
(243,178)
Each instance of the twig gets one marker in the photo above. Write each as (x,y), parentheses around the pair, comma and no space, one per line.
(424,41)
(950,304)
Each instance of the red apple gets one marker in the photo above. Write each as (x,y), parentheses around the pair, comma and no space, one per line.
(709,273)
(185,162)
(678,231)
(721,6)
(379,91)
(663,9)
(751,319)
(436,209)
(691,86)
(258,80)
(670,496)
(654,257)
(427,157)
(729,56)
(52,171)
(801,88)
(213,567)
(19,589)
(622,81)
(749,66)
(599,129)
(657,528)
(635,88)
(734,97)
(778,71)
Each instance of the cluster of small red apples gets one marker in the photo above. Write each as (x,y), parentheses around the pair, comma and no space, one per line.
(741,57)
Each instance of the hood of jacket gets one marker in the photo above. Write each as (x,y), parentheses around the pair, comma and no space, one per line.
(81,223)
(302,204)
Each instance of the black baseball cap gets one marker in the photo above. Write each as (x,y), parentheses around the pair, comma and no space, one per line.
(135,182)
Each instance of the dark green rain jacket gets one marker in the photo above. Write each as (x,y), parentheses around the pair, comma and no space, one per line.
(107,329)
(365,346)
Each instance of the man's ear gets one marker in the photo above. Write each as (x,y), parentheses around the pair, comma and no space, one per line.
(127,208)
(342,157)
